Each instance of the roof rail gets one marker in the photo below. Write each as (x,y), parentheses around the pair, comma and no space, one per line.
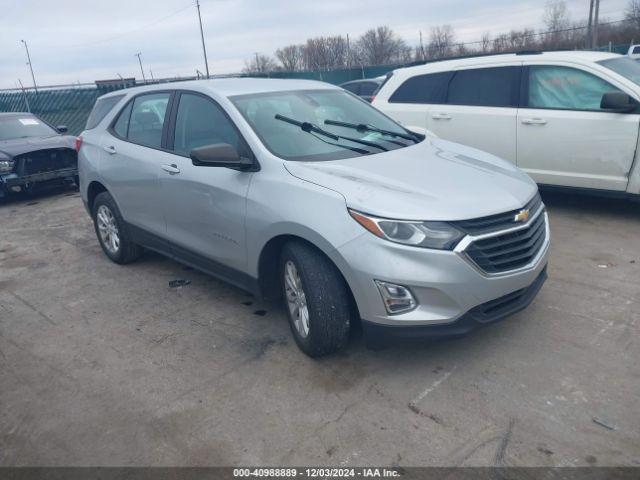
(480,55)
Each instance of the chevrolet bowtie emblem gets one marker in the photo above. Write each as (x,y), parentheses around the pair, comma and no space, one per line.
(521,216)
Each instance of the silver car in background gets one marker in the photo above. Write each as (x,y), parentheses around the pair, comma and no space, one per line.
(300,190)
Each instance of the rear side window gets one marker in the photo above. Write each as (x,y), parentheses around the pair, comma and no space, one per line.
(352,87)
(147,119)
(100,110)
(121,127)
(428,89)
(368,88)
(487,87)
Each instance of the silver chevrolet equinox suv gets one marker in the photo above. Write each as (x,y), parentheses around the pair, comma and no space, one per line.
(298,189)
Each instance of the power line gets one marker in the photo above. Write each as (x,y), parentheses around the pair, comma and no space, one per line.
(548,32)
(128,32)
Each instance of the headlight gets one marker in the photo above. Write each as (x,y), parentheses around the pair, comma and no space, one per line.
(6,165)
(437,235)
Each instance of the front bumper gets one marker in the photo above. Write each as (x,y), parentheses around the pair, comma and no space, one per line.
(14,180)
(446,284)
(477,317)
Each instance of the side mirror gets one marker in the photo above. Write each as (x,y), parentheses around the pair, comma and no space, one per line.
(220,155)
(62,129)
(618,102)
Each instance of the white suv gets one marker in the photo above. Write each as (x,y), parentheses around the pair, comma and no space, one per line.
(566,118)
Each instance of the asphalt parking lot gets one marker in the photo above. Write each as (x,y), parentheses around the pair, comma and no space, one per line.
(106,365)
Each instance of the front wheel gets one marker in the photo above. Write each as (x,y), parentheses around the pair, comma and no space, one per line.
(316,299)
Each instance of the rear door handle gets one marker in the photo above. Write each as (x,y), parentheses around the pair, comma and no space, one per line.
(172,169)
(534,121)
(110,149)
(441,116)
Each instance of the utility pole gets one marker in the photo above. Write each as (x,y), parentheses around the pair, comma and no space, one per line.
(144,79)
(590,26)
(204,49)
(24,94)
(595,24)
(35,87)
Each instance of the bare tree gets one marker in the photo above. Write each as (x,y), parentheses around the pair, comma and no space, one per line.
(485,42)
(556,19)
(441,41)
(291,57)
(381,46)
(632,14)
(324,53)
(260,64)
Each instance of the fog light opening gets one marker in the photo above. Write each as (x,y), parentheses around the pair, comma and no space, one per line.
(396,298)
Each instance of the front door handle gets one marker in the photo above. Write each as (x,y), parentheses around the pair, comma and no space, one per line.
(110,149)
(172,169)
(441,116)
(534,121)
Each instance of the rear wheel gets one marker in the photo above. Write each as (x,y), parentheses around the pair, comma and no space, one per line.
(112,231)
(316,299)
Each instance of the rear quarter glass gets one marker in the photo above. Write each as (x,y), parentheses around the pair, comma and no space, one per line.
(100,110)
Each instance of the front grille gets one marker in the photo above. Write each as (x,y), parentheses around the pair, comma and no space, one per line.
(495,223)
(42,161)
(509,251)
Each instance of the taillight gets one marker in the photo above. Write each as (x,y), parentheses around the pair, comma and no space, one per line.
(78,143)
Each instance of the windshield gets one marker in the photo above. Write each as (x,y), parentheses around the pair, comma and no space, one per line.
(624,66)
(321,109)
(23,126)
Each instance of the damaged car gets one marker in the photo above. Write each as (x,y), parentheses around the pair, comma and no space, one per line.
(34,154)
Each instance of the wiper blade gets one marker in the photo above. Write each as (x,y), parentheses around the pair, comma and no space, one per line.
(362,151)
(362,127)
(310,127)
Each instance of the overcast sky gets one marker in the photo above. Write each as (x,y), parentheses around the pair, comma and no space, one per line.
(72,40)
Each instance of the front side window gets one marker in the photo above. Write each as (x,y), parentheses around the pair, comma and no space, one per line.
(487,87)
(317,109)
(426,89)
(201,122)
(147,119)
(566,88)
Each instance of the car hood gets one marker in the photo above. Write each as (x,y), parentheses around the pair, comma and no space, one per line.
(18,146)
(433,180)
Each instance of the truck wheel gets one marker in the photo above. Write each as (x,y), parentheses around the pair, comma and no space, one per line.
(112,231)
(316,299)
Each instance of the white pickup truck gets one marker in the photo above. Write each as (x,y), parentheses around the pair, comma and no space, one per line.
(568,119)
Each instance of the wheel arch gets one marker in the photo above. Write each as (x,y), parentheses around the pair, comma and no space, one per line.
(268,266)
(93,190)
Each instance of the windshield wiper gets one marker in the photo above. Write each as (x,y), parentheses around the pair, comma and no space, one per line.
(362,127)
(310,127)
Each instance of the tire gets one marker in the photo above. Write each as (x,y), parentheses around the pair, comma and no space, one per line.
(122,251)
(324,294)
